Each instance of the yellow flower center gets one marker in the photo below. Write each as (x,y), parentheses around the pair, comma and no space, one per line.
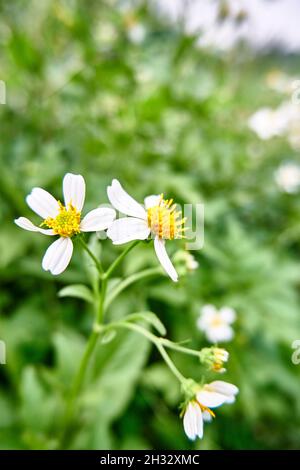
(216,321)
(164,221)
(66,223)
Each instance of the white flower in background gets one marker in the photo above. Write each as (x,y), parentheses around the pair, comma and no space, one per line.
(159,218)
(185,261)
(199,410)
(280,82)
(287,177)
(294,134)
(282,121)
(191,262)
(64,220)
(268,123)
(216,323)
(136,33)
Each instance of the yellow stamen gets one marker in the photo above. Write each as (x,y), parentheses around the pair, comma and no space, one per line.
(164,221)
(66,223)
(205,408)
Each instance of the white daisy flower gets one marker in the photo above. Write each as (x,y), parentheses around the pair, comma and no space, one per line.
(216,323)
(199,408)
(64,220)
(287,177)
(158,218)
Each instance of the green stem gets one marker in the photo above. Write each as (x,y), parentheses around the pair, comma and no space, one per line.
(158,342)
(176,347)
(116,263)
(92,341)
(170,363)
(79,378)
(91,254)
(130,280)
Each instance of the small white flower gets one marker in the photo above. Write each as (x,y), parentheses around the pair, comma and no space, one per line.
(191,262)
(216,323)
(64,220)
(199,408)
(159,218)
(220,356)
(282,121)
(287,177)
(280,82)
(268,123)
(136,33)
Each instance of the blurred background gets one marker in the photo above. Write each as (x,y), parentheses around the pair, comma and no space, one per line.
(198,99)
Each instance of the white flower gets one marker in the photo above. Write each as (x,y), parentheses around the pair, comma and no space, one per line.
(287,177)
(280,82)
(216,323)
(268,123)
(136,33)
(159,218)
(220,356)
(199,408)
(64,220)
(282,121)
(191,263)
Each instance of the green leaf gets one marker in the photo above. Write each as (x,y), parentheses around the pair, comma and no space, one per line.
(69,347)
(79,291)
(150,318)
(108,337)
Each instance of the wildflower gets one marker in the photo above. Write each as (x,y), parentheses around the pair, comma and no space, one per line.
(185,262)
(287,177)
(159,218)
(214,358)
(216,323)
(63,220)
(199,407)
(282,121)
(268,123)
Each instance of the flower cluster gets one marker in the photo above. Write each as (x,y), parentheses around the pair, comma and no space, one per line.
(157,218)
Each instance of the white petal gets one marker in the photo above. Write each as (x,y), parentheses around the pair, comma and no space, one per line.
(97,219)
(207,417)
(163,257)
(42,203)
(208,311)
(74,190)
(151,201)
(227,314)
(127,229)
(123,202)
(193,422)
(219,333)
(58,256)
(224,387)
(211,399)
(26,224)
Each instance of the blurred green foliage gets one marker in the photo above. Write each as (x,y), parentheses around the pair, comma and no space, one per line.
(161,115)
